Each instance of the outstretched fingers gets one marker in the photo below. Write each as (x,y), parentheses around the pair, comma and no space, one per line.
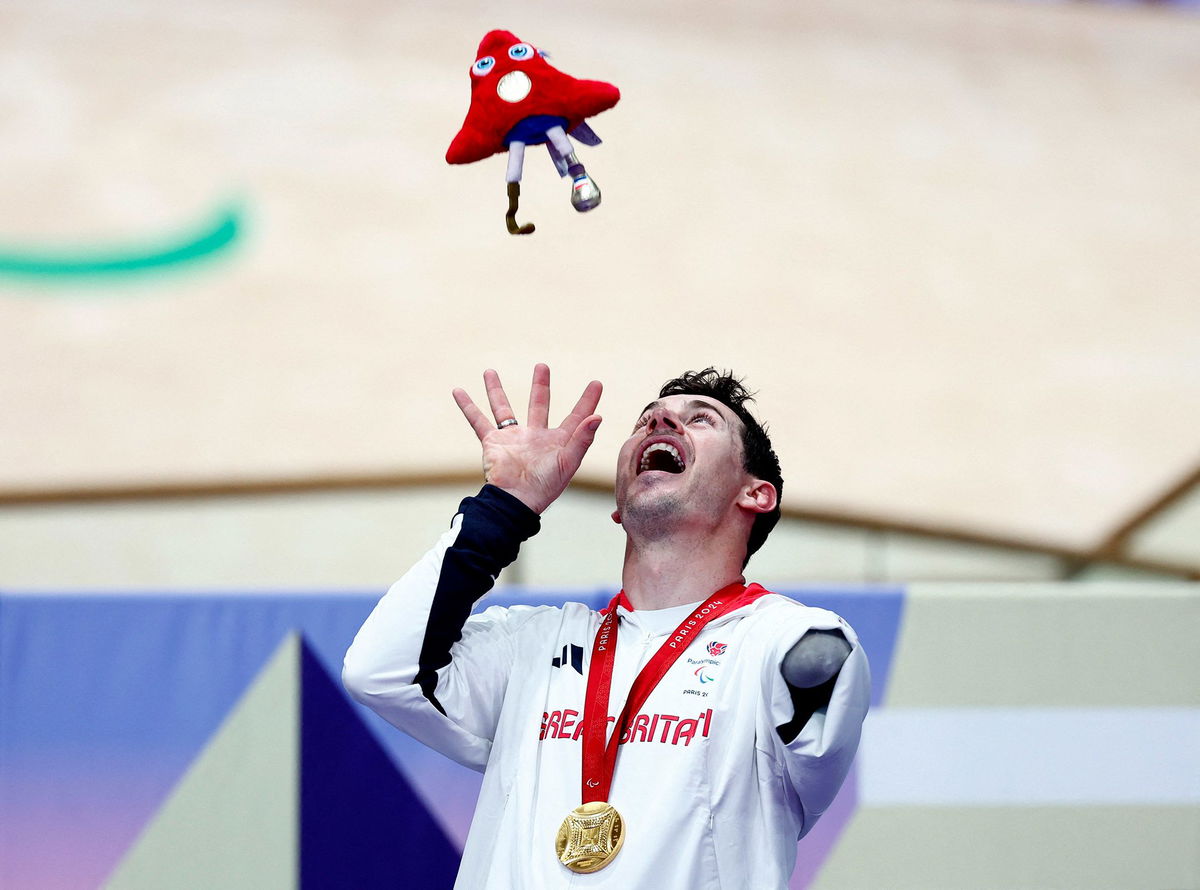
(533,462)
(584,408)
(471,412)
(497,398)
(579,426)
(539,397)
(583,437)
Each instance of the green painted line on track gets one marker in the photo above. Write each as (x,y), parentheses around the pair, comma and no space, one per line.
(215,236)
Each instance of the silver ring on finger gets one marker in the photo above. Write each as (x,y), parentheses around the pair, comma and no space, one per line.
(512,421)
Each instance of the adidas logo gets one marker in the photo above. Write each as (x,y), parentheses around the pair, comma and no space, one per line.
(575,660)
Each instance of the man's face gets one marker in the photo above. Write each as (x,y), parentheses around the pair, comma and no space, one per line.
(683,457)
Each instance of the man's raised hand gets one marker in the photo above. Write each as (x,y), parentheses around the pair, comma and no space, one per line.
(532,462)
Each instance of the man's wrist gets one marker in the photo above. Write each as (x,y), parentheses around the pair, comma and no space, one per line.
(534,504)
(508,509)
(494,525)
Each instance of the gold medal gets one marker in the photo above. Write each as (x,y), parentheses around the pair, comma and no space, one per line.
(590,837)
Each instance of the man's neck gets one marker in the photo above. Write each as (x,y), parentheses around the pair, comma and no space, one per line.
(672,572)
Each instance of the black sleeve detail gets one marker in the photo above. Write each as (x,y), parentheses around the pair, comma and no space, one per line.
(494,524)
(805,703)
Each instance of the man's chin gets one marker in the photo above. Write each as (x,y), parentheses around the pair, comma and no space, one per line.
(650,491)
(652,503)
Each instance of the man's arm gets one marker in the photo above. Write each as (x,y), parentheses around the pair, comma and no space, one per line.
(810,668)
(493,526)
(399,664)
(400,661)
(817,727)
(816,658)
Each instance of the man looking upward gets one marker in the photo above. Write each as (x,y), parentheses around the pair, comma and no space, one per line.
(685,736)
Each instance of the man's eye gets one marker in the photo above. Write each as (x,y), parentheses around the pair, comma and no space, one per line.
(641,423)
(706,417)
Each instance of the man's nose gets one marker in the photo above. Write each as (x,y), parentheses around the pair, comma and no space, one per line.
(663,417)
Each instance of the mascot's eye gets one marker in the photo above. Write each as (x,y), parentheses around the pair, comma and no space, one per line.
(520,51)
(482,66)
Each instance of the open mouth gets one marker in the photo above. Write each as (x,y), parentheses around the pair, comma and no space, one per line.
(661,456)
(514,86)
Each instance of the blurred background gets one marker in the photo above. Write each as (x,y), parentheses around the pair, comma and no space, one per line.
(951,243)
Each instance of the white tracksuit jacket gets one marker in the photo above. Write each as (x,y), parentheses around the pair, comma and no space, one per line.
(712,797)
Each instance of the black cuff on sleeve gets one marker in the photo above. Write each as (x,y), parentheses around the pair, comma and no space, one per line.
(495,524)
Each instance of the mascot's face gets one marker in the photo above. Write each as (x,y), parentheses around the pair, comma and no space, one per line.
(506,68)
(512,81)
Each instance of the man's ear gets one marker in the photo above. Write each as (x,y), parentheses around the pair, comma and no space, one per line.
(759,497)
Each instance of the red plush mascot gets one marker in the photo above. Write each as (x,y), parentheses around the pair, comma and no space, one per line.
(519,99)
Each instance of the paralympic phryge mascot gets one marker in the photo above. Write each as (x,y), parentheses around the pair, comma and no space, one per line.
(518,99)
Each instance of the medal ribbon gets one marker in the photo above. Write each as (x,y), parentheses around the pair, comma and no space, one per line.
(599,759)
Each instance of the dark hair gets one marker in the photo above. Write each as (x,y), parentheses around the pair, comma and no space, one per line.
(758,457)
